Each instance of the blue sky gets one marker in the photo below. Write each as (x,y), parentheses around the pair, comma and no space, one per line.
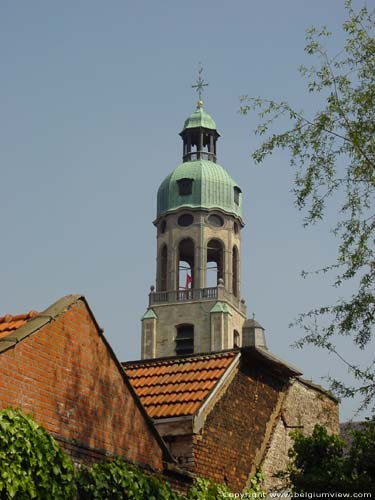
(93,95)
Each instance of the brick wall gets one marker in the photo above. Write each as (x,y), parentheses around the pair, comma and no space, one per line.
(235,429)
(67,378)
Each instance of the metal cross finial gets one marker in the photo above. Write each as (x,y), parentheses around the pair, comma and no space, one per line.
(199,86)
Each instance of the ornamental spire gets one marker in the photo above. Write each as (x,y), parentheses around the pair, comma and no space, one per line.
(199,85)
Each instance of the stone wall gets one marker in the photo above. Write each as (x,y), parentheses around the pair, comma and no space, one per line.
(198,314)
(304,406)
(171,315)
(159,338)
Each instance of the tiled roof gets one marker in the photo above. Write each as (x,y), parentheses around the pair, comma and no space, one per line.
(173,387)
(9,323)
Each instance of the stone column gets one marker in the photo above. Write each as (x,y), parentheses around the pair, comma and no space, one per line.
(217,331)
(200,256)
(172,263)
(149,335)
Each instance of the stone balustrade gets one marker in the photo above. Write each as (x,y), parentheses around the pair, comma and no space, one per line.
(195,294)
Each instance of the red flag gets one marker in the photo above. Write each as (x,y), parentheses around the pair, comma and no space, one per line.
(189,281)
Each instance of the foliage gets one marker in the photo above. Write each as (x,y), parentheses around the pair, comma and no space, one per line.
(319,464)
(317,460)
(203,489)
(333,153)
(362,451)
(32,464)
(119,480)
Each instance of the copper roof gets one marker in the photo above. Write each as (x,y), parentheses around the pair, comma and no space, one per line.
(173,387)
(9,323)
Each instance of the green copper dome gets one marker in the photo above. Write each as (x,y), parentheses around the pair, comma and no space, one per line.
(200,119)
(211,187)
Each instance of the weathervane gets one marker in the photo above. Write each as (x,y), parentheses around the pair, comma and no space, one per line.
(199,86)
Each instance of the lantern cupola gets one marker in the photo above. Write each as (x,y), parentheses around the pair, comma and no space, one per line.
(199,136)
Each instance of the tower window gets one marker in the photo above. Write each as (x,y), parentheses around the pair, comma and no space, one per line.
(185,186)
(185,277)
(185,220)
(215,220)
(237,192)
(185,340)
(236,339)
(235,228)
(215,262)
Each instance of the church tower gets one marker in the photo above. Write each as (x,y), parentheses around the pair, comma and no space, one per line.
(196,305)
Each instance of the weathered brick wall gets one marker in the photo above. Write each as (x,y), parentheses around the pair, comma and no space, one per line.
(303,407)
(234,431)
(65,376)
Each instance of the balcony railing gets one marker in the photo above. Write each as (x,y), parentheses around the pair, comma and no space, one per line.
(196,294)
(183,295)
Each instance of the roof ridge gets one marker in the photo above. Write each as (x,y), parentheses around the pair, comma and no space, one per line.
(182,359)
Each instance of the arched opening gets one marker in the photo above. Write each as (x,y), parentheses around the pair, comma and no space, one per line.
(163,268)
(235,271)
(192,145)
(236,193)
(215,262)
(185,267)
(199,143)
(184,339)
(236,339)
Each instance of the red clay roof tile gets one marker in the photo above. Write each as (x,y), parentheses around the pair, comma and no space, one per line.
(9,323)
(177,386)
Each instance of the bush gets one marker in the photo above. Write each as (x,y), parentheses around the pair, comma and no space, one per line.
(32,465)
(203,489)
(117,480)
(319,463)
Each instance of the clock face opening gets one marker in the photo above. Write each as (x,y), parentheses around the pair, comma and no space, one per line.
(185,220)
(215,220)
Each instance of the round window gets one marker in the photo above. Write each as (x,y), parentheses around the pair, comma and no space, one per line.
(185,220)
(215,220)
